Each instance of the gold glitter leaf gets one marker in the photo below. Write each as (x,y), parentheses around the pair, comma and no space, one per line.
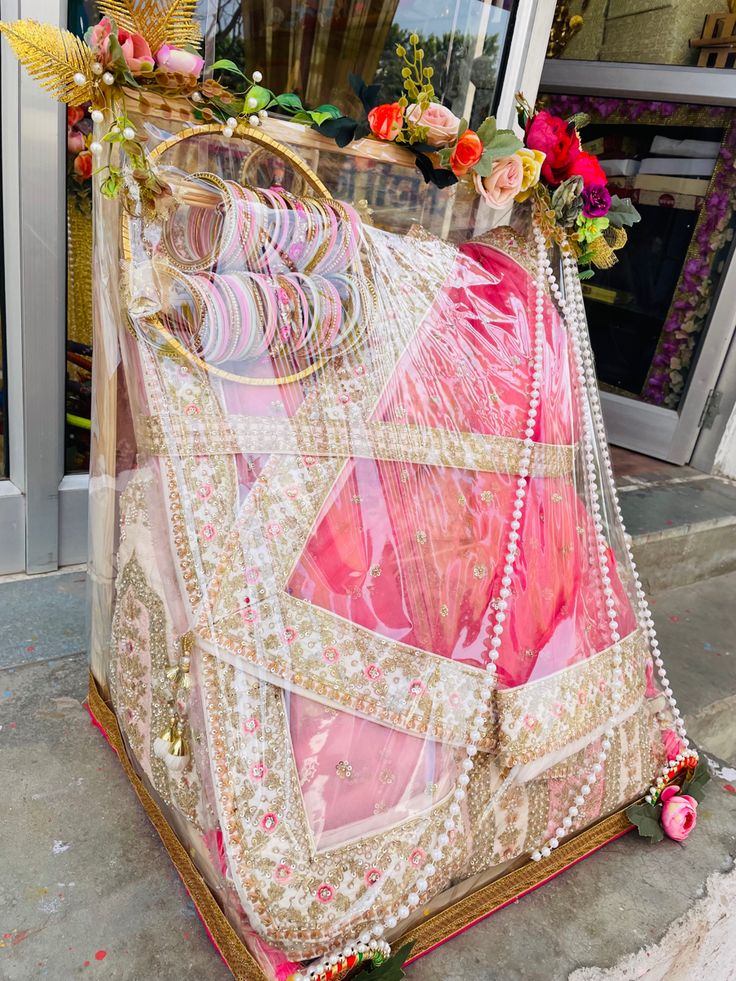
(158,21)
(53,57)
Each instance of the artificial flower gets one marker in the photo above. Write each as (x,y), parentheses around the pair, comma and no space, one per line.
(557,140)
(678,813)
(386,120)
(586,165)
(83,165)
(531,161)
(98,39)
(503,183)
(179,60)
(136,52)
(589,229)
(440,122)
(75,141)
(466,153)
(596,201)
(74,115)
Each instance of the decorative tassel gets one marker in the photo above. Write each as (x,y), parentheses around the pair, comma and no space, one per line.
(177,759)
(163,745)
(179,675)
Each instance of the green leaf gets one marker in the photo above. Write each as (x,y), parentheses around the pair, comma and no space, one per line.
(290,101)
(228,66)
(462,127)
(444,156)
(505,142)
(646,819)
(390,969)
(328,110)
(579,120)
(487,130)
(695,786)
(586,274)
(622,212)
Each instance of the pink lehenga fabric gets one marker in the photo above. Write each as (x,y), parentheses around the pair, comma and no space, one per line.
(329,553)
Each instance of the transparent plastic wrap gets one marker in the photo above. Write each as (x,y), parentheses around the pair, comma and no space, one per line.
(363,604)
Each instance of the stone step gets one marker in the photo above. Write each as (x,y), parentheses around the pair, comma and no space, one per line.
(682,521)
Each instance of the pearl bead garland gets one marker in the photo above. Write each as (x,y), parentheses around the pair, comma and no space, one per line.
(573,309)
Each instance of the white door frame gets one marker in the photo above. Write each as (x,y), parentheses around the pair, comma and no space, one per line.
(665,433)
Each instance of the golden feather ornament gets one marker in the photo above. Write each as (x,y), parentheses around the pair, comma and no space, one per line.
(159,21)
(57,59)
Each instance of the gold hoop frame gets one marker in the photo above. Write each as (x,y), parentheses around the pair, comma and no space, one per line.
(254,135)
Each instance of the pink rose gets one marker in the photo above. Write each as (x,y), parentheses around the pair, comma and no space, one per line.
(503,183)
(98,38)
(178,60)
(74,141)
(678,813)
(558,140)
(442,124)
(136,52)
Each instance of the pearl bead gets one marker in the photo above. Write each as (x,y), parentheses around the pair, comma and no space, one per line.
(108,78)
(257,76)
(97,68)
(546,852)
(97,116)
(232,122)
(95,147)
(536,856)
(391,922)
(129,133)
(80,79)
(227,132)
(253,120)
(263,114)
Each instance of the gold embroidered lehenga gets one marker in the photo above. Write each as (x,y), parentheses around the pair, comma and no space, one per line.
(374,638)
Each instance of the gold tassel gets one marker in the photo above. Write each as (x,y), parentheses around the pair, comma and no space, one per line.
(177,759)
(179,675)
(164,743)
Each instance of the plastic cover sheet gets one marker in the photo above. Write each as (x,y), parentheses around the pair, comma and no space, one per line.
(363,605)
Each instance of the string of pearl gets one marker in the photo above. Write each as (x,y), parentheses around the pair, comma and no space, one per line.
(575,310)
(589,445)
(500,606)
(645,616)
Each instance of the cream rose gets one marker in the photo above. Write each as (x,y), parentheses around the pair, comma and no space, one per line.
(442,124)
(503,183)
(531,161)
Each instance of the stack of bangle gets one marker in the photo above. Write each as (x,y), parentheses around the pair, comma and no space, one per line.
(264,273)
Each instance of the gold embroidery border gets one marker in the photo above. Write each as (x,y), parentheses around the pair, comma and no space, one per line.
(489,452)
(435,930)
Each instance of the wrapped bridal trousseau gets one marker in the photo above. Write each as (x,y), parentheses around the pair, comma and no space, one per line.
(366,631)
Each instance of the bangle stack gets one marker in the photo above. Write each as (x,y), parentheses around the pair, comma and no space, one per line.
(263,273)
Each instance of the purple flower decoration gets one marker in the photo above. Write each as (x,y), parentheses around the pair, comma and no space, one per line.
(596,201)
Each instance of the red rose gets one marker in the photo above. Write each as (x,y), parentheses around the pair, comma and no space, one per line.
(585,165)
(83,165)
(467,152)
(558,140)
(386,121)
(74,115)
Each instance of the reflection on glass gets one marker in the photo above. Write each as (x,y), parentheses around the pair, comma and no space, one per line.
(630,30)
(79,270)
(311,49)
(649,312)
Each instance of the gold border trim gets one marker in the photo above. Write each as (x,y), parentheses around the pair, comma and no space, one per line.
(437,929)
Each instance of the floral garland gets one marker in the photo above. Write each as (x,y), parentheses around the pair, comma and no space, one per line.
(693,295)
(140,46)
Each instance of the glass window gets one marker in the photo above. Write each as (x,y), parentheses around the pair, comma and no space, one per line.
(649,311)
(3,363)
(642,31)
(311,48)
(79,274)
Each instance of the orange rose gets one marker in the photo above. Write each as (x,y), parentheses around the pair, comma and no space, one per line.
(83,165)
(386,121)
(466,154)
